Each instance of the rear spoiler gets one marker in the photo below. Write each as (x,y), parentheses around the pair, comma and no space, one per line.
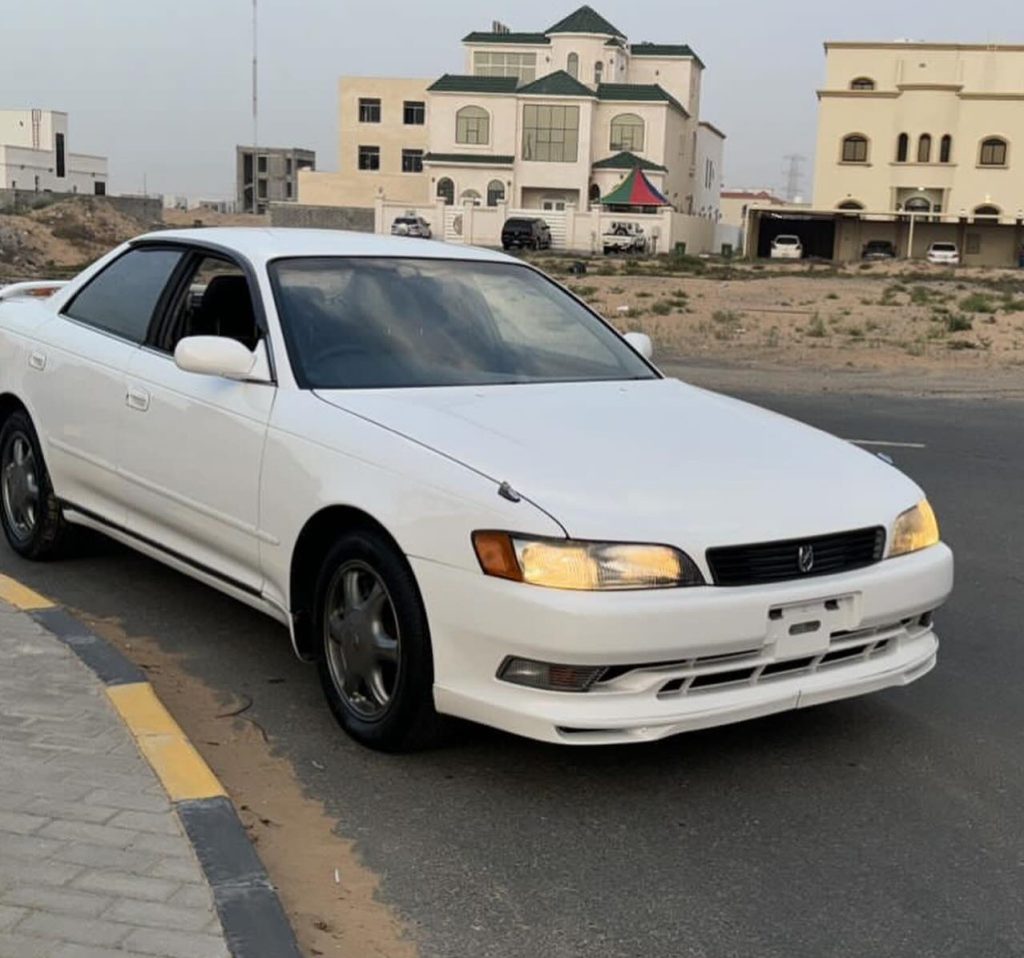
(38,290)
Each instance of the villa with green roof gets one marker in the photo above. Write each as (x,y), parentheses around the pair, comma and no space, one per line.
(551,120)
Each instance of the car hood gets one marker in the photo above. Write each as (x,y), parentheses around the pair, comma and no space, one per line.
(653,460)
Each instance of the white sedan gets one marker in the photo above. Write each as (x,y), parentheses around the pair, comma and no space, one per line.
(461,491)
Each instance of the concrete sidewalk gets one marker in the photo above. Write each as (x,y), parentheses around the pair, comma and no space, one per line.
(94,862)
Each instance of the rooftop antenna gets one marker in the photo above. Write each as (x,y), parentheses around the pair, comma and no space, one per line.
(794,175)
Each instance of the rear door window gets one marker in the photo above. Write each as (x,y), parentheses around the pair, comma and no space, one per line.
(122,298)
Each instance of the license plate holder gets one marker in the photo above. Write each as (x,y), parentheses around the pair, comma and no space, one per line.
(805,628)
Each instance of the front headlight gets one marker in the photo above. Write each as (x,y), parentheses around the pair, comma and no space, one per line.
(914,530)
(584,566)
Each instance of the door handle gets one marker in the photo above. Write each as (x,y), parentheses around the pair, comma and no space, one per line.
(37,360)
(137,399)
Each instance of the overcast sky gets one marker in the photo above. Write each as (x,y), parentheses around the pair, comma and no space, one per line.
(162,87)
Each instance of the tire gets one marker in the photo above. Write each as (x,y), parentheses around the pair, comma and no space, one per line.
(29,511)
(382,702)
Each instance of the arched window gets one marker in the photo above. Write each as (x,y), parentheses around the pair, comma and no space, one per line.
(902,148)
(573,65)
(627,132)
(993,151)
(918,204)
(470,196)
(472,125)
(495,193)
(595,193)
(598,73)
(851,205)
(446,191)
(986,213)
(862,83)
(855,149)
(924,148)
(946,149)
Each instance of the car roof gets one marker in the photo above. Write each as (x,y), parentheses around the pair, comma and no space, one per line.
(260,245)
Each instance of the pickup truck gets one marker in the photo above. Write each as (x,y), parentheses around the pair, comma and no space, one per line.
(624,238)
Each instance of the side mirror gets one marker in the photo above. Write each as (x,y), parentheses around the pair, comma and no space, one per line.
(214,356)
(641,342)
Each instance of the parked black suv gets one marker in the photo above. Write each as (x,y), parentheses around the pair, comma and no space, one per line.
(526,233)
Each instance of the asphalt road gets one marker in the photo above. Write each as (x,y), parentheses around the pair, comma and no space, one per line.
(884,826)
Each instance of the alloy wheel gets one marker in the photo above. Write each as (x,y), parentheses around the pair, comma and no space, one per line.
(19,484)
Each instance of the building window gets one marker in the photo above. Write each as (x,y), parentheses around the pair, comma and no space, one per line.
(446,191)
(369,157)
(598,73)
(261,189)
(572,66)
(627,132)
(595,193)
(902,148)
(851,205)
(288,191)
(261,164)
(412,161)
(862,83)
(855,149)
(288,166)
(369,111)
(946,149)
(470,196)
(414,113)
(993,152)
(986,213)
(495,193)
(99,188)
(551,133)
(522,66)
(924,148)
(61,156)
(472,125)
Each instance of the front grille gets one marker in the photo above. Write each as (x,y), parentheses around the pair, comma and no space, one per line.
(780,561)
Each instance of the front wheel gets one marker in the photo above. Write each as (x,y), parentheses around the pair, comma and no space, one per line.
(29,511)
(376,664)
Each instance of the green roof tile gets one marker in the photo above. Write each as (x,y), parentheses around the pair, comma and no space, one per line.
(478,158)
(628,161)
(638,92)
(558,83)
(585,20)
(455,83)
(664,50)
(535,39)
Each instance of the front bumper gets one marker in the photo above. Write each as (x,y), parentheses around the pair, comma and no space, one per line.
(665,639)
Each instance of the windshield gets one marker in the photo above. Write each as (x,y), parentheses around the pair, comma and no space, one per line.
(355,323)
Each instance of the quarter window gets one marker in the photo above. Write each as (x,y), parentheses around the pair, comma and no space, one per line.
(369,111)
(993,152)
(414,113)
(472,125)
(855,149)
(551,133)
(122,298)
(369,157)
(627,133)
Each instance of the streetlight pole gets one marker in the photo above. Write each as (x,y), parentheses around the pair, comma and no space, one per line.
(255,110)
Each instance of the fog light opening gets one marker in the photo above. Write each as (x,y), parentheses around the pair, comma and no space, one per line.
(548,676)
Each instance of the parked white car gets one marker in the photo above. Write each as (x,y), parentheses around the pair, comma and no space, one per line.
(944,254)
(787,247)
(624,238)
(460,489)
(415,226)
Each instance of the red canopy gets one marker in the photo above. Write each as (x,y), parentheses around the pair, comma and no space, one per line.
(635,190)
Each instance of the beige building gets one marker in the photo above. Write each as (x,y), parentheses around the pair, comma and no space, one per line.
(35,155)
(547,121)
(930,128)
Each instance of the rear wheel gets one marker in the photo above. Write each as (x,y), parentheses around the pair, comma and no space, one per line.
(29,510)
(376,663)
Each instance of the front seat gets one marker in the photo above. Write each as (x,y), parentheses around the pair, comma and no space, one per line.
(226,310)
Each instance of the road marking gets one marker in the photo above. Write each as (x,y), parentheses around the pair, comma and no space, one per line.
(884,444)
(181,769)
(21,596)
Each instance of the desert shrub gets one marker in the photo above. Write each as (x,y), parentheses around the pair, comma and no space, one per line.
(958,323)
(977,303)
(816,327)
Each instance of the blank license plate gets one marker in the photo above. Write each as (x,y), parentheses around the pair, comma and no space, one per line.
(805,629)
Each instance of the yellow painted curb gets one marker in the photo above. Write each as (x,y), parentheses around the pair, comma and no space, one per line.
(175,760)
(21,596)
